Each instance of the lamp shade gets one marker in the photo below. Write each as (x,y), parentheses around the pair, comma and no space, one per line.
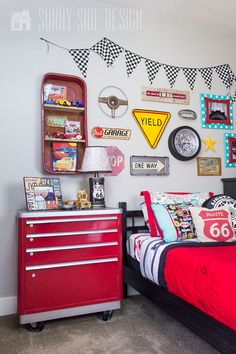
(96,160)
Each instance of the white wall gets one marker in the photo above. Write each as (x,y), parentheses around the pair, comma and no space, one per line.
(24,60)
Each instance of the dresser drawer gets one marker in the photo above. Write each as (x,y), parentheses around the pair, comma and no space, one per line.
(71,224)
(70,284)
(70,238)
(39,256)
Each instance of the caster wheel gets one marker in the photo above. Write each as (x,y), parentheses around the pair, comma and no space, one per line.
(35,326)
(106,315)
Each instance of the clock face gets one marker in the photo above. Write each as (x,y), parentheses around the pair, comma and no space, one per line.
(184,143)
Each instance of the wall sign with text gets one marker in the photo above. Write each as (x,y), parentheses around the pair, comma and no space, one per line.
(164,95)
(111,133)
(149,166)
(152,124)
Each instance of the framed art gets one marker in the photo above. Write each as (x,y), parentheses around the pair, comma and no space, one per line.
(230,149)
(216,111)
(42,193)
(209,166)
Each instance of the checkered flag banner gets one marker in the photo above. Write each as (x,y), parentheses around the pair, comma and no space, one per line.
(171,73)
(108,50)
(190,75)
(132,60)
(152,69)
(81,58)
(224,72)
(115,51)
(102,49)
(207,76)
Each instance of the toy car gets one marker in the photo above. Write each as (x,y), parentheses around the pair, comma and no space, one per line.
(58,135)
(63,102)
(73,136)
(76,103)
(49,102)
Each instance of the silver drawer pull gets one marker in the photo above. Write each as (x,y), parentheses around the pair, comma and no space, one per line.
(49,221)
(71,247)
(71,264)
(72,233)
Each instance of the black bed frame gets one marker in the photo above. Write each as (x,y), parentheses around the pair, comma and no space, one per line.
(215,333)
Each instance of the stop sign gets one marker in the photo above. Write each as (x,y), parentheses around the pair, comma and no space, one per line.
(117,160)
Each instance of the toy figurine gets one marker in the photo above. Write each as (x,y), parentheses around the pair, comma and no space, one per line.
(82,199)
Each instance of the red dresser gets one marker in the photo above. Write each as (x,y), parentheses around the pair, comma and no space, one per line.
(69,263)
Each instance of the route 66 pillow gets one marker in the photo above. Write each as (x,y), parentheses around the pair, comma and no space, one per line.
(213,225)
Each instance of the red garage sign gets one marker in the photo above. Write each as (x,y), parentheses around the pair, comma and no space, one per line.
(117,160)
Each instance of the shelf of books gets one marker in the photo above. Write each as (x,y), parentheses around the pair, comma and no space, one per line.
(64,123)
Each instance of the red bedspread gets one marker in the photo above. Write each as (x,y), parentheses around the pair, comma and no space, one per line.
(206,278)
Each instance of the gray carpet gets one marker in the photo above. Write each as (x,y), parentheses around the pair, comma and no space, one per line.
(139,327)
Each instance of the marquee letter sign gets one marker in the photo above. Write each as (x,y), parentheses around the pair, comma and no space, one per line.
(152,124)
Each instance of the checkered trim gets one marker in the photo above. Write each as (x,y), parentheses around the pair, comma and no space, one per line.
(81,58)
(132,60)
(207,76)
(152,69)
(171,73)
(224,73)
(190,75)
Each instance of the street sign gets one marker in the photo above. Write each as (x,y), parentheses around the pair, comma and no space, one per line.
(117,160)
(149,166)
(152,124)
(165,95)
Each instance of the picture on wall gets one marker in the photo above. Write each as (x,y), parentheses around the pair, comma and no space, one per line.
(209,166)
(216,111)
(230,150)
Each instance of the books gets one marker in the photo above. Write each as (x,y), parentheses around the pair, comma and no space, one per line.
(54,92)
(42,193)
(64,156)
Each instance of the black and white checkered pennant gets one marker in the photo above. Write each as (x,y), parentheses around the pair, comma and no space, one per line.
(81,58)
(171,73)
(132,60)
(115,51)
(207,76)
(102,49)
(224,73)
(190,75)
(152,69)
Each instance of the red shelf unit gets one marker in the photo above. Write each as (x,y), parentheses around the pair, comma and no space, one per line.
(76,89)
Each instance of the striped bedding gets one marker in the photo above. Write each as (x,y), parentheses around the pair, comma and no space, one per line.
(201,273)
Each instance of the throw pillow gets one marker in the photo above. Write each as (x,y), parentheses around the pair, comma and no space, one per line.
(213,225)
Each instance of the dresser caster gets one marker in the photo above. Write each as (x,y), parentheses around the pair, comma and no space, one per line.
(106,315)
(35,326)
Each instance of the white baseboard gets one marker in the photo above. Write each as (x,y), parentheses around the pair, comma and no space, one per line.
(8,305)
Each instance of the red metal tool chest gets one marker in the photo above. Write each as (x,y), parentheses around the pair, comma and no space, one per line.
(69,263)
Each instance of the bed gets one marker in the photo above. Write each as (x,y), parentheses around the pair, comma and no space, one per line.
(213,331)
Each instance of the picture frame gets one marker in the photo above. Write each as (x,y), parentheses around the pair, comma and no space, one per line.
(230,149)
(216,111)
(208,166)
(42,193)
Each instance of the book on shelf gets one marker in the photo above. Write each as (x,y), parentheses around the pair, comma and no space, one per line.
(64,156)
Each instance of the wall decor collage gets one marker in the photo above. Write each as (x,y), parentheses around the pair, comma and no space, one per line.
(184,142)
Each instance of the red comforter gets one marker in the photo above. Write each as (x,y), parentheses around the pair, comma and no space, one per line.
(206,278)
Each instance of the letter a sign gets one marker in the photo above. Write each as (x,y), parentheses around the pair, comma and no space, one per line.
(152,124)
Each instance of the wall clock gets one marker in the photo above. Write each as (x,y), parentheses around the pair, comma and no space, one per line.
(184,143)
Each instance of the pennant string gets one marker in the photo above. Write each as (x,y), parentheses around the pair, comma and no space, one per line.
(175,68)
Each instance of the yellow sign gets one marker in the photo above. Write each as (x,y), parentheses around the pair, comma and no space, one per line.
(152,124)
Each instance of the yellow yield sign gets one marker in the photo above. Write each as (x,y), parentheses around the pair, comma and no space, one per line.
(152,124)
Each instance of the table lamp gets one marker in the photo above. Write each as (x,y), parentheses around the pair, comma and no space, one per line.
(96,160)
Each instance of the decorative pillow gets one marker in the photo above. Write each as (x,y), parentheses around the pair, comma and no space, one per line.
(213,224)
(167,198)
(175,221)
(220,200)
